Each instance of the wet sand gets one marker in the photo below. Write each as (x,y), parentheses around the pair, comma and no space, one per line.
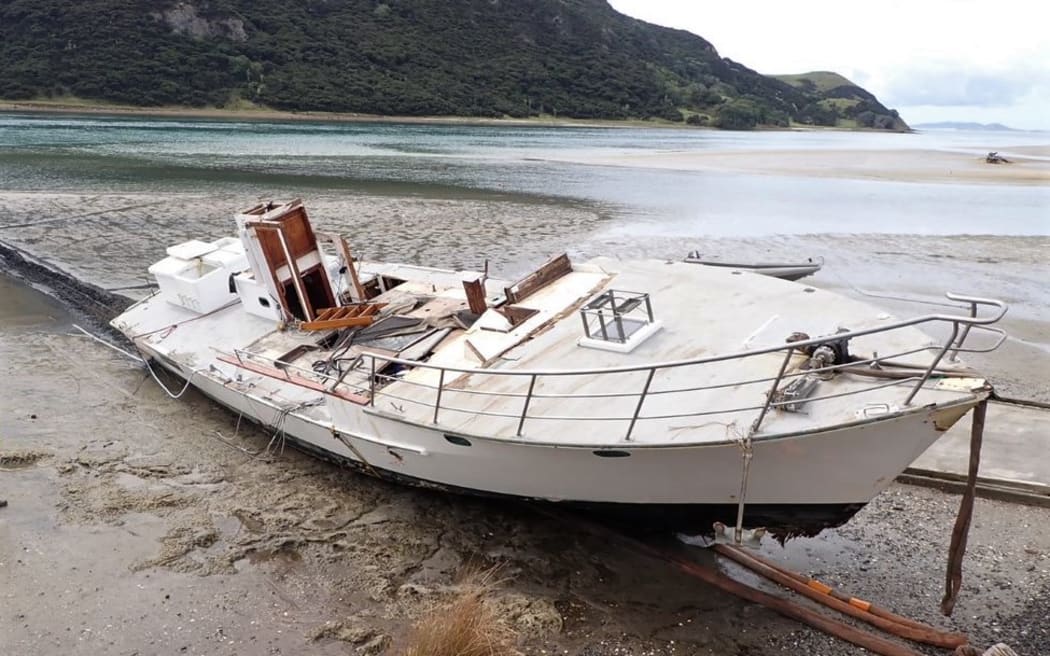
(138,524)
(1029,166)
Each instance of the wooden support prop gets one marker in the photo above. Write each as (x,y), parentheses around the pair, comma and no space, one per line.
(552,269)
(873,643)
(870,641)
(475,290)
(855,608)
(827,589)
(961,530)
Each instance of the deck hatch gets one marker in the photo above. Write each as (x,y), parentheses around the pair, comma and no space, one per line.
(618,321)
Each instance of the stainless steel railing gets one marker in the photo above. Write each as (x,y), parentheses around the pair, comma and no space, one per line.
(380,385)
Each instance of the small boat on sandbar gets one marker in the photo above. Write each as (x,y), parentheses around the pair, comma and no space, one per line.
(661,395)
(783,270)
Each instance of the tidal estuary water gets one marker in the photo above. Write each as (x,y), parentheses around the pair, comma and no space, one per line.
(541,166)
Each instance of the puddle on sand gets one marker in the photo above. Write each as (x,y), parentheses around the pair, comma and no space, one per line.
(25,308)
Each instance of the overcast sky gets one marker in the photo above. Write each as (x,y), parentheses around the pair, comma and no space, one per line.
(933,60)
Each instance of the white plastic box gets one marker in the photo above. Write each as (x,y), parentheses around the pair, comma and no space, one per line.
(196,274)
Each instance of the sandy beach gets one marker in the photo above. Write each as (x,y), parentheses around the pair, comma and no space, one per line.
(1030,166)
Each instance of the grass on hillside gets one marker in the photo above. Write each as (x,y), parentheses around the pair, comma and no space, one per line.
(823,80)
(839,103)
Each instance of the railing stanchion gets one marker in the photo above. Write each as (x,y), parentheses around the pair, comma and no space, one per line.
(441,386)
(933,365)
(641,402)
(372,383)
(528,399)
(772,391)
(954,355)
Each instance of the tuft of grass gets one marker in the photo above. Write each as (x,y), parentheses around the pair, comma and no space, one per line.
(465,626)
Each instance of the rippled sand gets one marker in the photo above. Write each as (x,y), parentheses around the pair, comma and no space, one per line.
(110,239)
(899,165)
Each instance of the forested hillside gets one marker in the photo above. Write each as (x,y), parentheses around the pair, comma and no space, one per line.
(568,58)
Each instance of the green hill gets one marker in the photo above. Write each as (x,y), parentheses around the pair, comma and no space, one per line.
(493,58)
(820,81)
(854,106)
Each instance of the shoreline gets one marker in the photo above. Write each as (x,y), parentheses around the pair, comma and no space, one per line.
(266,115)
(263,115)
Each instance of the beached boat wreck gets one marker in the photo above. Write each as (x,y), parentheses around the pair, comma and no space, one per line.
(661,393)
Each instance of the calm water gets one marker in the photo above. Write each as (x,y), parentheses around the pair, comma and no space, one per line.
(251,159)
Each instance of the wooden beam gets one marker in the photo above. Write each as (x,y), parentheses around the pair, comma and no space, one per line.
(552,269)
(475,290)
(352,278)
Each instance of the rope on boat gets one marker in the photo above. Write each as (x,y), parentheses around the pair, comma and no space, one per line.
(184,321)
(164,387)
(280,420)
(353,449)
(129,354)
(746,454)
(961,530)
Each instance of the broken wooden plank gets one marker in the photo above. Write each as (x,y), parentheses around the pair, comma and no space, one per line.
(475,290)
(343,249)
(552,269)
(516,314)
(333,324)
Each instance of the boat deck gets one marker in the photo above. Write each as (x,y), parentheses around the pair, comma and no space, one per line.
(542,384)
(575,409)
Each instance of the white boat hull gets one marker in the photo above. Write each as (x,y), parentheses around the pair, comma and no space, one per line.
(458,381)
(790,271)
(800,483)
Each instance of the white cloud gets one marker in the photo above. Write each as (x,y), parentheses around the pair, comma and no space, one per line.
(990,58)
(944,85)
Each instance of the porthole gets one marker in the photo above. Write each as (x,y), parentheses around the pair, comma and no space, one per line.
(457,440)
(611,453)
